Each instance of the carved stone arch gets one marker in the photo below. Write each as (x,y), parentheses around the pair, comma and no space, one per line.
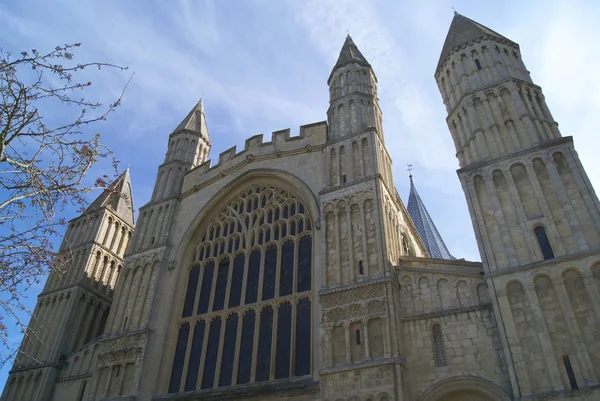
(513,281)
(302,298)
(594,267)
(384,396)
(483,294)
(208,260)
(457,388)
(561,273)
(423,278)
(375,306)
(278,302)
(541,274)
(355,310)
(337,314)
(437,281)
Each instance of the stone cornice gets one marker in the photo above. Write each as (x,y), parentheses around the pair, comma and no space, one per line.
(445,312)
(261,390)
(363,365)
(542,263)
(492,85)
(544,145)
(33,367)
(72,378)
(327,291)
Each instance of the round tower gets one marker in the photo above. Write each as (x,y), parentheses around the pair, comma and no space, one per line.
(493,106)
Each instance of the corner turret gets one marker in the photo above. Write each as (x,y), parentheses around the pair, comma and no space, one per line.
(354,107)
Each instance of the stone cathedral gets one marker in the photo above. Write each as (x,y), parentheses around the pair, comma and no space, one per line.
(292,270)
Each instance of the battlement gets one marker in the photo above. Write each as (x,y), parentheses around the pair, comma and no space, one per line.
(281,144)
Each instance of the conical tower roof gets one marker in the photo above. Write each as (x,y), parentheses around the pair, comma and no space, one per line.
(349,54)
(195,121)
(424,224)
(464,30)
(118,198)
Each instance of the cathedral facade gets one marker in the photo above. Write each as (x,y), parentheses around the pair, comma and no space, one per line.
(292,270)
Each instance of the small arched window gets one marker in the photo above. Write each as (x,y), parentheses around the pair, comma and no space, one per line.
(439,354)
(82,390)
(361,269)
(406,248)
(478,64)
(358,337)
(544,243)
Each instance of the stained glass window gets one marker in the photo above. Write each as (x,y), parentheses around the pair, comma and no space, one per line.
(212,350)
(190,294)
(303,331)
(284,337)
(263,360)
(270,271)
(205,290)
(221,287)
(228,351)
(253,276)
(286,277)
(274,262)
(247,343)
(304,263)
(180,349)
(237,277)
(195,356)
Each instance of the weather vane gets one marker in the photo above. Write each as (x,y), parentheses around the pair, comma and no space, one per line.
(409,169)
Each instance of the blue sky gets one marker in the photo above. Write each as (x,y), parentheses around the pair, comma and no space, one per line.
(262,66)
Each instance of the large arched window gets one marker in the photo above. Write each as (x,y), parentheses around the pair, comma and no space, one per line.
(246,312)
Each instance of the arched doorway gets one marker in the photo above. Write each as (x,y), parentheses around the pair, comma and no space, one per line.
(465,388)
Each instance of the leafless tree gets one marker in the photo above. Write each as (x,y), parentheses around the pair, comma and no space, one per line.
(47,147)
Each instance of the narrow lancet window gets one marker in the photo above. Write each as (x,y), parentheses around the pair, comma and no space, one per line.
(439,354)
(544,243)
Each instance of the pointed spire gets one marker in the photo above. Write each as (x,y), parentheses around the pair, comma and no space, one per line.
(195,121)
(118,198)
(464,30)
(349,54)
(429,234)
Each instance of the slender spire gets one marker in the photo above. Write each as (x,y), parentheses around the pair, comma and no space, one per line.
(118,198)
(426,228)
(195,121)
(462,31)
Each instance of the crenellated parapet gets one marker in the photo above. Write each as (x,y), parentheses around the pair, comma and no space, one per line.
(282,144)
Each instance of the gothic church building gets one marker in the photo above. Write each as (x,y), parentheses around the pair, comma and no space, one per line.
(292,270)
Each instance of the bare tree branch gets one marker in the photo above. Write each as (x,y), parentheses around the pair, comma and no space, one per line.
(43,162)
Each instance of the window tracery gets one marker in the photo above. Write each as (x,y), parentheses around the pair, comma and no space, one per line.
(248,292)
